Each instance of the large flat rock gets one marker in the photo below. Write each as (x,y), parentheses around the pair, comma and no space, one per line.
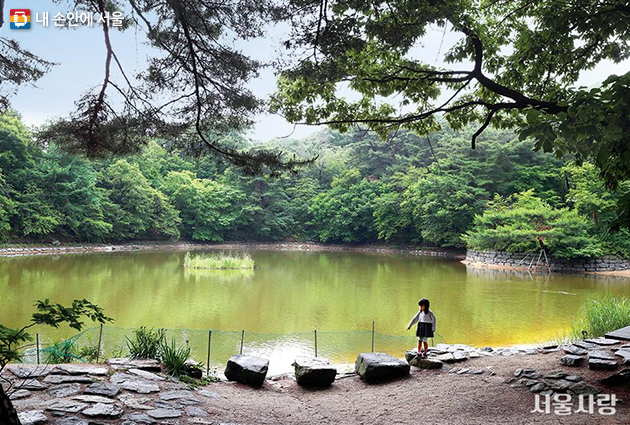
(248,370)
(314,371)
(32,417)
(29,371)
(375,366)
(80,369)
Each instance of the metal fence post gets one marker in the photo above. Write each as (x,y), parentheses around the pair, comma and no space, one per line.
(208,362)
(315,342)
(242,339)
(372,335)
(37,348)
(100,340)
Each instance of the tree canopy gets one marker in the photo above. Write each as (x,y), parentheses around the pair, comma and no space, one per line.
(516,65)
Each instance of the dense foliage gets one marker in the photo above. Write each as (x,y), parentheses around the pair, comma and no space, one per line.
(513,63)
(362,189)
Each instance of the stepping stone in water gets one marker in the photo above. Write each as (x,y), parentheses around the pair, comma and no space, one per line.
(598,364)
(314,371)
(573,378)
(571,360)
(32,417)
(104,389)
(248,370)
(538,387)
(102,410)
(375,366)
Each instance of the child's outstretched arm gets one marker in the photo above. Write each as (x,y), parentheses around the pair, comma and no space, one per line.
(414,320)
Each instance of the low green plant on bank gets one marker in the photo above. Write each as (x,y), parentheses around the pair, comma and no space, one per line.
(220,261)
(174,357)
(598,317)
(152,344)
(146,343)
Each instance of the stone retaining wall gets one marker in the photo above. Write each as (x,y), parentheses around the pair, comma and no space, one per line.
(519,260)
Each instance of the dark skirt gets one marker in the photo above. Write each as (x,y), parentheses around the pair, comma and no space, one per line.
(425,330)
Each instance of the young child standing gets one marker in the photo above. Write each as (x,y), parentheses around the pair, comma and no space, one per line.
(426,325)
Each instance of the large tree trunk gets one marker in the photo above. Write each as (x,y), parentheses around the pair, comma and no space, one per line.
(8,415)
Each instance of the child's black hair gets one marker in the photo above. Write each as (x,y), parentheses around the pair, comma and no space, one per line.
(424,302)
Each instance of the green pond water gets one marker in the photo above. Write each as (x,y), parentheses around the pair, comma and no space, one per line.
(290,294)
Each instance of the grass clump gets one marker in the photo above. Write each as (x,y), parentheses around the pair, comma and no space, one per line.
(220,261)
(174,357)
(598,317)
(146,343)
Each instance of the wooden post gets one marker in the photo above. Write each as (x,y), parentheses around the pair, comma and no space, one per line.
(208,362)
(372,335)
(315,342)
(100,340)
(242,339)
(37,348)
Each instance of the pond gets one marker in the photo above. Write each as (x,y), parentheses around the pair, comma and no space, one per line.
(290,294)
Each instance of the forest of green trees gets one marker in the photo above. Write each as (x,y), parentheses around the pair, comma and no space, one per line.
(433,191)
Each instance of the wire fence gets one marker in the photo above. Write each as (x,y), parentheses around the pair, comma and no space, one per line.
(214,347)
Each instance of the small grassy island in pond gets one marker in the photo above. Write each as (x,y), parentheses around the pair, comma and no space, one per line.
(219,261)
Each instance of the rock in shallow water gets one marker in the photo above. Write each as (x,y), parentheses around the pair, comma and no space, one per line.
(374,366)
(314,371)
(248,370)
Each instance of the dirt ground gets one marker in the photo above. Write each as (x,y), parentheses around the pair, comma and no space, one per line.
(426,396)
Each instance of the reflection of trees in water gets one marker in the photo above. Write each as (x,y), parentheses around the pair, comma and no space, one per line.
(212,275)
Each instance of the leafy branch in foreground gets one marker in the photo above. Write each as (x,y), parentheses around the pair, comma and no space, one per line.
(47,314)
(516,64)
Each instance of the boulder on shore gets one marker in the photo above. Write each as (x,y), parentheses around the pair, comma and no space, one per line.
(374,366)
(248,370)
(314,371)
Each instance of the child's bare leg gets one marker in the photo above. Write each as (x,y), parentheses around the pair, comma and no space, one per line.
(419,346)
(426,348)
